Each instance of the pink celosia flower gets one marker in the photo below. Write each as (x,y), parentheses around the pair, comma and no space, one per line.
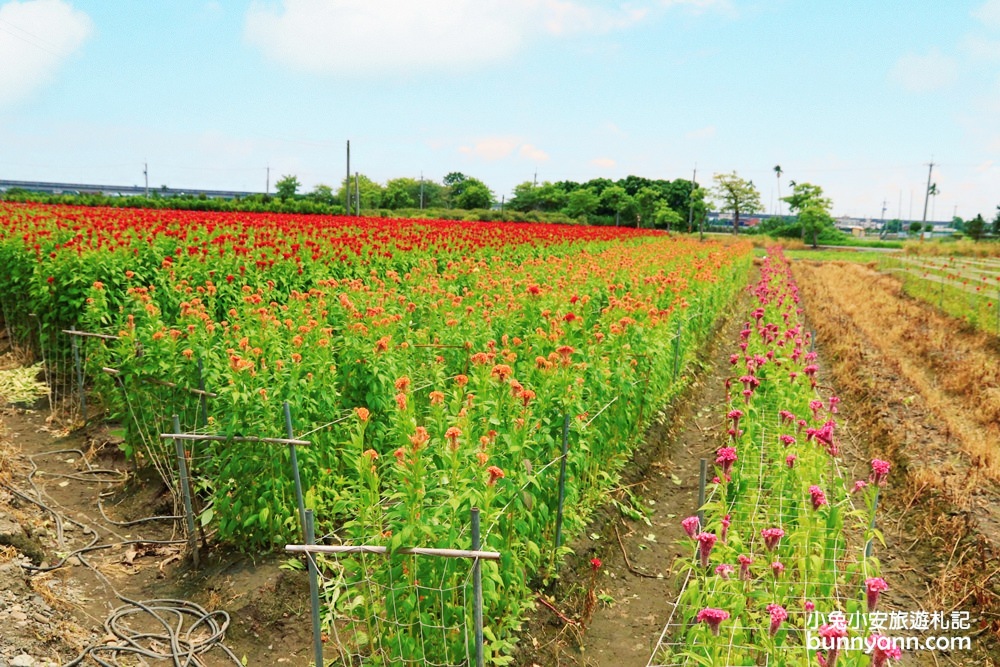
(882,649)
(815,406)
(745,562)
(778,616)
(790,460)
(777,568)
(873,587)
(830,637)
(771,537)
(880,470)
(800,424)
(726,522)
(734,359)
(786,417)
(691,526)
(809,606)
(724,570)
(859,486)
(833,404)
(787,440)
(713,617)
(817,496)
(735,416)
(726,457)
(705,543)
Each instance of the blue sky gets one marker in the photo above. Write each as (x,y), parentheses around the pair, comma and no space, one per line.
(853,96)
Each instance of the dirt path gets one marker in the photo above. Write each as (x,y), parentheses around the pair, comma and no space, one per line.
(267,606)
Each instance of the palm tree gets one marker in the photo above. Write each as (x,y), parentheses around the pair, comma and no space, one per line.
(777,173)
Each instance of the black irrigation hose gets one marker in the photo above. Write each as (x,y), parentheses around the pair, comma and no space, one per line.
(176,643)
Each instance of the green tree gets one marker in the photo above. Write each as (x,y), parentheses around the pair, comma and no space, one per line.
(957,223)
(647,202)
(735,195)
(454,178)
(814,219)
(524,198)
(996,223)
(323,194)
(371,192)
(398,194)
(474,194)
(550,197)
(615,201)
(803,196)
(582,204)
(665,217)
(287,187)
(915,227)
(976,227)
(806,194)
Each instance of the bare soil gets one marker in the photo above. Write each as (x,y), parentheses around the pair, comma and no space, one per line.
(53,616)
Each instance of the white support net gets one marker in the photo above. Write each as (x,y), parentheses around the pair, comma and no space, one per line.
(397,609)
(764,503)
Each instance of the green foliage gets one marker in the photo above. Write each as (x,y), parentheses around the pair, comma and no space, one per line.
(976,227)
(323,194)
(735,195)
(473,194)
(581,204)
(371,192)
(806,195)
(287,186)
(814,219)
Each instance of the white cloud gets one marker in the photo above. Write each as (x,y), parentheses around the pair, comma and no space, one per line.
(924,73)
(699,6)
(365,36)
(603,162)
(980,48)
(988,13)
(490,148)
(36,38)
(530,152)
(706,132)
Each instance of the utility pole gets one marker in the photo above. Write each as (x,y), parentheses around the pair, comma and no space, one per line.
(927,192)
(267,185)
(421,191)
(534,182)
(694,177)
(885,225)
(347,181)
(145,175)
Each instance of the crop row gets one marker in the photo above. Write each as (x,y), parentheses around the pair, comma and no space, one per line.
(432,366)
(782,545)
(966,289)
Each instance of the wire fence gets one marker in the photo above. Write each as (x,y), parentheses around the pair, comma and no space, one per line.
(963,288)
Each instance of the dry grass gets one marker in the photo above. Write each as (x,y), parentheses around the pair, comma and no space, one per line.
(938,504)
(956,372)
